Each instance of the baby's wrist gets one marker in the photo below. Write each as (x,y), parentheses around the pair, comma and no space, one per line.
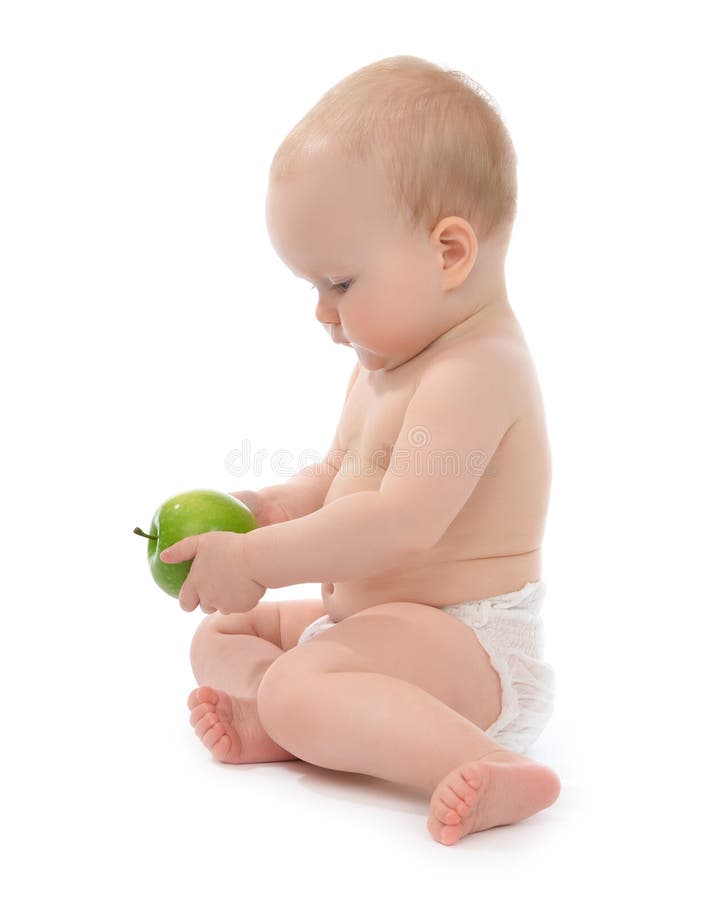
(275,501)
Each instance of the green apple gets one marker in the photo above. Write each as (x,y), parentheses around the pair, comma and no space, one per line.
(193,512)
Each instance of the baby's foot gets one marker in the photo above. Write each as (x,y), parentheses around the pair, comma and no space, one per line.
(499,789)
(230,728)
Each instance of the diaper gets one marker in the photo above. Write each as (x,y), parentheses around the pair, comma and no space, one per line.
(511,632)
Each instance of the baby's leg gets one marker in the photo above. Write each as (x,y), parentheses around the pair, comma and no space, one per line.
(229,657)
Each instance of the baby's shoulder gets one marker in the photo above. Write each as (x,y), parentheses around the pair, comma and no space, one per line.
(492,354)
(492,370)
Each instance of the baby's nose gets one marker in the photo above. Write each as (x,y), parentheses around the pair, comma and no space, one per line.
(325,316)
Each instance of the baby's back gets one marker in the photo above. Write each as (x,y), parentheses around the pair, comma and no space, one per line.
(493,545)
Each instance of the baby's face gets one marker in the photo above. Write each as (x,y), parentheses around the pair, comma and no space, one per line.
(378,282)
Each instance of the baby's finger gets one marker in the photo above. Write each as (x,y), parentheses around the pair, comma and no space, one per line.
(181,550)
(188,598)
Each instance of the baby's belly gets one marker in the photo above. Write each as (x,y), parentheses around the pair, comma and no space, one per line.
(437,584)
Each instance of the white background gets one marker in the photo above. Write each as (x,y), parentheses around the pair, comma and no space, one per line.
(149,329)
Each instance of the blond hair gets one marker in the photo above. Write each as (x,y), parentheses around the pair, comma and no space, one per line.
(437,133)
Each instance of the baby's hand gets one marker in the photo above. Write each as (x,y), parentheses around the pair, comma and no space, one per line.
(219,577)
(265,510)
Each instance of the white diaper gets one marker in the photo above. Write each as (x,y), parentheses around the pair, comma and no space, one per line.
(510,630)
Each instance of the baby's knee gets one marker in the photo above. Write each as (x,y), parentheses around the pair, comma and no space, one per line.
(215,624)
(202,634)
(207,631)
(212,632)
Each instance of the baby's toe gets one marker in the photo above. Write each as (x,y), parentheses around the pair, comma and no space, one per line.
(193,699)
(444,833)
(465,794)
(213,734)
(205,722)
(202,695)
(445,814)
(200,712)
(472,775)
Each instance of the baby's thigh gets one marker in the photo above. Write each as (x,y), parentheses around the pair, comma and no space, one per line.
(412,642)
(279,622)
(293,617)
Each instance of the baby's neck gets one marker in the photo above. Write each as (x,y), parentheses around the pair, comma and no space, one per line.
(483,317)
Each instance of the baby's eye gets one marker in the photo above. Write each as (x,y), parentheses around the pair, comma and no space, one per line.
(341,284)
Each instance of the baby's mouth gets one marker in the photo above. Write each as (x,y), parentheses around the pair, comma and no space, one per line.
(335,338)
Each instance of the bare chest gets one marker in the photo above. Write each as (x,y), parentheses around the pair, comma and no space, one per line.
(492,546)
(368,430)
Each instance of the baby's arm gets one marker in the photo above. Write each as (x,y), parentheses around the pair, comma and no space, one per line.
(301,494)
(304,492)
(462,407)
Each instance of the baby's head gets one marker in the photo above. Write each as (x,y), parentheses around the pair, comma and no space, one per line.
(395,196)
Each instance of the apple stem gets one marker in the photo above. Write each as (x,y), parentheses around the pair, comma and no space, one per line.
(151,537)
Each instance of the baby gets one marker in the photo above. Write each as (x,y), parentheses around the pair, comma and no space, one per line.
(421,663)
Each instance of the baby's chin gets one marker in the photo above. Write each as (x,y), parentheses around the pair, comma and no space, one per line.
(368,360)
(373,361)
